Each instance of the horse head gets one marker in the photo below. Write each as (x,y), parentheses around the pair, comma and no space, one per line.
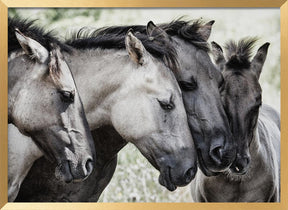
(241,93)
(44,104)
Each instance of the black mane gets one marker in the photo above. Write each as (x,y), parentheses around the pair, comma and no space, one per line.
(239,54)
(28,28)
(186,30)
(113,38)
(97,39)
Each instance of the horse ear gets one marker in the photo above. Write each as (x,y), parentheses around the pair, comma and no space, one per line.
(259,59)
(205,30)
(218,56)
(53,63)
(135,48)
(154,31)
(32,47)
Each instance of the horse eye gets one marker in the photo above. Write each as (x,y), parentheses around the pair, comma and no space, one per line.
(67,96)
(187,86)
(166,105)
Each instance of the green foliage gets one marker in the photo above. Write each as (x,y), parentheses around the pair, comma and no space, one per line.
(50,16)
(12,12)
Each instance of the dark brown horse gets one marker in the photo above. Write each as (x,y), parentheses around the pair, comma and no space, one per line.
(255,173)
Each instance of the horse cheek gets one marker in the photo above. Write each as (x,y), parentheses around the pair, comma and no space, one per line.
(133,118)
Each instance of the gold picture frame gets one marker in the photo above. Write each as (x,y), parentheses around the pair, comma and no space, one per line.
(5,4)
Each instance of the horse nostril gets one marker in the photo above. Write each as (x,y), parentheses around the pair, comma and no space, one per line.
(189,175)
(239,168)
(89,166)
(216,154)
(247,160)
(241,165)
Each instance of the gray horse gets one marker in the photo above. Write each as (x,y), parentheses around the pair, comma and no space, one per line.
(44,105)
(139,97)
(255,174)
(199,81)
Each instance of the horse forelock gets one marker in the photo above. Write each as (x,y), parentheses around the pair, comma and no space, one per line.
(188,31)
(28,28)
(239,53)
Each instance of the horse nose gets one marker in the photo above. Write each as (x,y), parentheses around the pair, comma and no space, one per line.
(216,151)
(88,167)
(182,170)
(240,166)
(189,174)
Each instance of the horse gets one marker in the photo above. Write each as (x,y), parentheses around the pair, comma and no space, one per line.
(254,175)
(136,96)
(44,105)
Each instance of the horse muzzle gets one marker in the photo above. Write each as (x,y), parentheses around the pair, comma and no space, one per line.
(176,174)
(240,165)
(68,172)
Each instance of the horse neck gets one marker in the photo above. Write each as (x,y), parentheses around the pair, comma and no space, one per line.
(22,152)
(108,143)
(261,144)
(99,73)
(267,139)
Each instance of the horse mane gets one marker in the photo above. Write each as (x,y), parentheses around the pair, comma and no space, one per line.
(113,38)
(188,31)
(84,39)
(239,54)
(28,28)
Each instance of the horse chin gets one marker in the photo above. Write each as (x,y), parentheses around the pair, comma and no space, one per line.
(165,179)
(63,172)
(165,176)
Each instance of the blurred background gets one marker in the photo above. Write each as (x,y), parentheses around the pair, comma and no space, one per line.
(135,180)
